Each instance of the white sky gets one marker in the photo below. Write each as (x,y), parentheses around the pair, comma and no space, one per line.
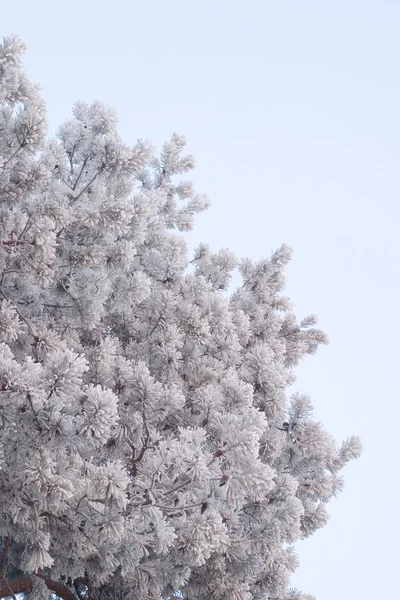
(292,110)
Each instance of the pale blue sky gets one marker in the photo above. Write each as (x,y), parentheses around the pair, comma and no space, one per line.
(292,110)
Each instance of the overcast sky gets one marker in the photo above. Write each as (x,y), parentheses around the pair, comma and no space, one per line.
(292,110)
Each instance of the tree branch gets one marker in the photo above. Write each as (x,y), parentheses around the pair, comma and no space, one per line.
(21,316)
(4,557)
(24,585)
(84,189)
(80,173)
(13,155)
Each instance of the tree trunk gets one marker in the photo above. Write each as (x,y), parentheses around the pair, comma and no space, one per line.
(4,557)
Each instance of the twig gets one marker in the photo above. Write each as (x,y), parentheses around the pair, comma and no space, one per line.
(80,173)
(38,422)
(25,320)
(13,155)
(84,189)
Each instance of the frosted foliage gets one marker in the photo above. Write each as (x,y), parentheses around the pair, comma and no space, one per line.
(148,439)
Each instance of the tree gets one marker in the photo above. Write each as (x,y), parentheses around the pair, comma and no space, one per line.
(148,443)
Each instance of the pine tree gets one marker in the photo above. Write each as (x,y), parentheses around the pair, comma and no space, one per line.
(148,440)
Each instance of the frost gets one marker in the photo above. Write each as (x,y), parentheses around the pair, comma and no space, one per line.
(148,443)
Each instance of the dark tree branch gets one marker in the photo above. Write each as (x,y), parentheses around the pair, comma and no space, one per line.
(24,585)
(80,173)
(7,543)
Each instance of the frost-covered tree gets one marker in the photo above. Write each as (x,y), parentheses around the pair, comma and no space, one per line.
(148,440)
